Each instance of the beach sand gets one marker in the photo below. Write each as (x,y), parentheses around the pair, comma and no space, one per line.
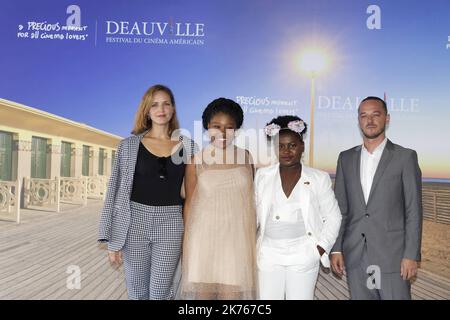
(436,248)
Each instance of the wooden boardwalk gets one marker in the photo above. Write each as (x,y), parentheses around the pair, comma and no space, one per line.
(35,256)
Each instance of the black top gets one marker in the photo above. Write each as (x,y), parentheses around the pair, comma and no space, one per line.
(157,180)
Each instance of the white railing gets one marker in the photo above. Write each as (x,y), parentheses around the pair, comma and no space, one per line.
(48,194)
(73,190)
(10,201)
(436,205)
(42,194)
(96,187)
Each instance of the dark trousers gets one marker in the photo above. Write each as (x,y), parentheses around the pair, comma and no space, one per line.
(366,282)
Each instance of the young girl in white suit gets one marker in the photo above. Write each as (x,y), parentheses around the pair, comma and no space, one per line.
(298,217)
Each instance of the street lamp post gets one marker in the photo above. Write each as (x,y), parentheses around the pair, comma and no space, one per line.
(313,62)
(311,122)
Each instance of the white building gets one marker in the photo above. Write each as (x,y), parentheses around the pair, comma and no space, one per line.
(46,159)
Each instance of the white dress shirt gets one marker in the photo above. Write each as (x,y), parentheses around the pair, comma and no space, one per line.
(368,167)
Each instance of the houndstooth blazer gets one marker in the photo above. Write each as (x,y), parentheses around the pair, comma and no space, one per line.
(116,214)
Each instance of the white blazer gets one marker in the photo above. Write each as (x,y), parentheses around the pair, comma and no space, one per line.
(320,209)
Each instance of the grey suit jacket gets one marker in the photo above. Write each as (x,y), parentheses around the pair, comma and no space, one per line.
(391,222)
(116,213)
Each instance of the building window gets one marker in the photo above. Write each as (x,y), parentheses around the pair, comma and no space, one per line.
(101,161)
(39,158)
(113,157)
(86,158)
(6,143)
(66,159)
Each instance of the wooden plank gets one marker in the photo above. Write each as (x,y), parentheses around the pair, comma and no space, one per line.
(438,285)
(329,291)
(428,274)
(49,241)
(57,287)
(339,285)
(93,279)
(40,254)
(124,296)
(34,257)
(45,275)
(318,295)
(52,261)
(116,284)
(109,278)
(120,293)
(43,258)
(433,289)
(417,295)
(58,237)
(426,294)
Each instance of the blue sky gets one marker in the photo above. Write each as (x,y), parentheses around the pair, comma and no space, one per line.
(249,51)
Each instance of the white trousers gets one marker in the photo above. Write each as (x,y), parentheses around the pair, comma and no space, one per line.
(284,282)
(288,269)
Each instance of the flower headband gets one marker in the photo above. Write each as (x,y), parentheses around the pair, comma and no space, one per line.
(296,125)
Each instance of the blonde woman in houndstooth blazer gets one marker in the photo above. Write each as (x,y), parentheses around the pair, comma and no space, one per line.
(142,221)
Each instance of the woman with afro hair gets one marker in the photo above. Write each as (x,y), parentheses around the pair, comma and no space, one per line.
(220,217)
(298,217)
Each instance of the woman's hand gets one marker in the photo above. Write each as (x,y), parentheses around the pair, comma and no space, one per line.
(321,250)
(115,258)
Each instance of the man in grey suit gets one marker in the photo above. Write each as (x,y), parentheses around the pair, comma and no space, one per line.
(379,190)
